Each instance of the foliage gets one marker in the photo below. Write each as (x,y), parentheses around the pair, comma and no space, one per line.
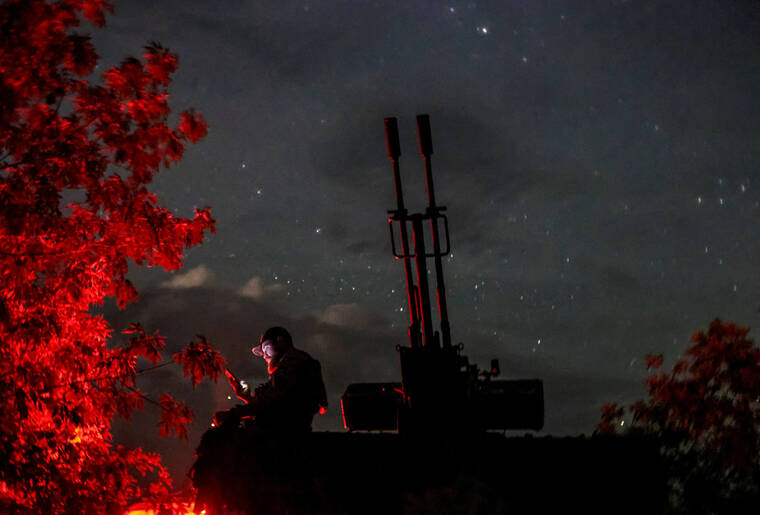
(199,360)
(706,410)
(63,135)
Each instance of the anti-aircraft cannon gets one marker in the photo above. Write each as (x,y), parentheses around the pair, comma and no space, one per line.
(404,451)
(440,391)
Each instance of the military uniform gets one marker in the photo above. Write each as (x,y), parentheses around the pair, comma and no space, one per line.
(294,393)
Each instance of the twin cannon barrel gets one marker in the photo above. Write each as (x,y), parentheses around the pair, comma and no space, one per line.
(440,391)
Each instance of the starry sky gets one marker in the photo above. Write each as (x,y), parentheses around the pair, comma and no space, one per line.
(597,160)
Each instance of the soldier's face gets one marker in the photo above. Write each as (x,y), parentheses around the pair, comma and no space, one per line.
(267,347)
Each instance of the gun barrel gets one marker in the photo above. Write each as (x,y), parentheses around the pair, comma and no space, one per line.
(426,149)
(423,131)
(394,151)
(391,138)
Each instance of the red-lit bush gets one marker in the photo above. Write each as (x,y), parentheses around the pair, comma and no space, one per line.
(60,133)
(706,411)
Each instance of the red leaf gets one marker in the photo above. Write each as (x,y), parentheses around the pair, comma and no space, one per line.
(193,126)
(199,360)
(143,344)
(125,293)
(95,11)
(653,360)
(175,417)
(160,63)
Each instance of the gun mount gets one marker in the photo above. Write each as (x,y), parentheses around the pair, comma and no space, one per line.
(439,390)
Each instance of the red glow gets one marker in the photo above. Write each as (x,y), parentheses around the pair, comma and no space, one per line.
(60,383)
(175,508)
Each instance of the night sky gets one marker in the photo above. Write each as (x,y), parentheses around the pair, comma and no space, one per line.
(596,159)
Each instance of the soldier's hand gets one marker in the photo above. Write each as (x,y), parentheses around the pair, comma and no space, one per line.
(241,390)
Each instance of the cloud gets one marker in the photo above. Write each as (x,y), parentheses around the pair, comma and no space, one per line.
(346,315)
(255,288)
(193,278)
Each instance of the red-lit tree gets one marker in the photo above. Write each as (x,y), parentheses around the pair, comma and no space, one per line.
(60,383)
(706,412)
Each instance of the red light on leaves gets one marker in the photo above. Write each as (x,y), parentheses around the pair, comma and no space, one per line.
(193,126)
(175,417)
(716,380)
(653,361)
(60,384)
(199,360)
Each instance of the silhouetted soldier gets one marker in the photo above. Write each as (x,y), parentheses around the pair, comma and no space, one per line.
(275,419)
(294,393)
